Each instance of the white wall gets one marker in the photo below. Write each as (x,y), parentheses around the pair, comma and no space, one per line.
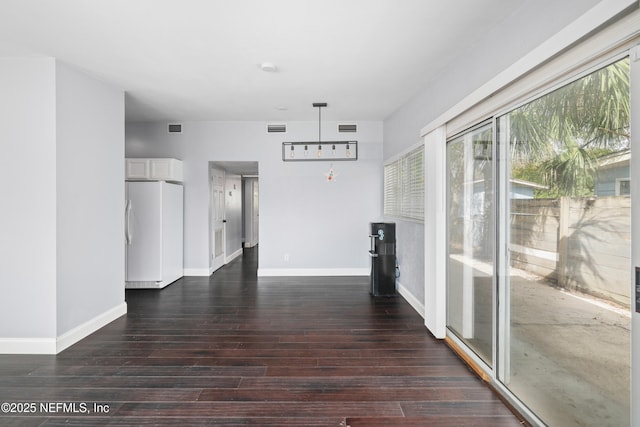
(533,23)
(323,227)
(61,222)
(28,200)
(410,258)
(90,198)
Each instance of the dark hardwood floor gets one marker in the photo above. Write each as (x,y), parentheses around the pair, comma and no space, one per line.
(237,350)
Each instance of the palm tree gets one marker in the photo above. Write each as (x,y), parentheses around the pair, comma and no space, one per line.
(562,132)
(570,172)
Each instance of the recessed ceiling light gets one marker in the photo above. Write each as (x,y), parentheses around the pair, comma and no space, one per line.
(269,67)
(282,108)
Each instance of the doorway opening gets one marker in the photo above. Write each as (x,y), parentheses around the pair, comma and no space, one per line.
(233,210)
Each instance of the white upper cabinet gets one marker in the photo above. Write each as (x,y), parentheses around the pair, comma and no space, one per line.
(154,170)
(137,169)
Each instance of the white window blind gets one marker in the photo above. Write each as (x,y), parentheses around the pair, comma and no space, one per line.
(392,189)
(404,186)
(413,185)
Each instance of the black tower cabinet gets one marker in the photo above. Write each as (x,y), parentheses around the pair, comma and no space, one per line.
(383,258)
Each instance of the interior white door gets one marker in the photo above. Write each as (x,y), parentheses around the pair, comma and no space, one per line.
(217,219)
(255,214)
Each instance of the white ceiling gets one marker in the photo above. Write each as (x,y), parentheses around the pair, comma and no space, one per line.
(200,59)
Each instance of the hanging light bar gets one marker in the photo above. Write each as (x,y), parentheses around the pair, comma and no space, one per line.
(326,151)
(335,150)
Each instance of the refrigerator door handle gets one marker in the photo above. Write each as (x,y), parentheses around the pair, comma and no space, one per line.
(128,222)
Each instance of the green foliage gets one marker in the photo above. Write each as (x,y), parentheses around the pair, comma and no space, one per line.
(570,173)
(556,139)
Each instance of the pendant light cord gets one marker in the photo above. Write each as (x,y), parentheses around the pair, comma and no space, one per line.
(319,125)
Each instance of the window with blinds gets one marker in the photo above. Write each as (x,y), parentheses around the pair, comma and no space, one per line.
(404,186)
(392,189)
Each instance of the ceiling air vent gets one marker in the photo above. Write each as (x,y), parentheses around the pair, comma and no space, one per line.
(174,128)
(344,127)
(276,128)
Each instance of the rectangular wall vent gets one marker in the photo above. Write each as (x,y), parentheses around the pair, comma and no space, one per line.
(174,128)
(347,127)
(276,128)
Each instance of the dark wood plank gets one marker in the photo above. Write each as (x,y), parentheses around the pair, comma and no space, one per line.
(99,394)
(254,409)
(369,371)
(22,421)
(435,421)
(120,382)
(368,381)
(238,350)
(322,393)
(458,407)
(196,422)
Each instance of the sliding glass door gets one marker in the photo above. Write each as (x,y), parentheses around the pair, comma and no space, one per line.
(470,239)
(566,282)
(539,247)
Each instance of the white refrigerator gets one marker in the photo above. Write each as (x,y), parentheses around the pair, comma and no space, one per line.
(153,234)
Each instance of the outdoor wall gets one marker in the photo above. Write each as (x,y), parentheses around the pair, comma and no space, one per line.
(307,225)
(606,180)
(596,256)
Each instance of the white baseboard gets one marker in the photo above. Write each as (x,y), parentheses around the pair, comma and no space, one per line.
(55,346)
(206,272)
(233,256)
(197,272)
(82,331)
(412,300)
(144,285)
(289,272)
(27,346)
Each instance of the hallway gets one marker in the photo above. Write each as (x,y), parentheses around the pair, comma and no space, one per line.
(236,350)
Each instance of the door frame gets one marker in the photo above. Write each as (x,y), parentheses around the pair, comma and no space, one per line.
(251,212)
(216,218)
(634,175)
(501,362)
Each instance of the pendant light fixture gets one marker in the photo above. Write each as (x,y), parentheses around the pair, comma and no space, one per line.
(319,106)
(335,150)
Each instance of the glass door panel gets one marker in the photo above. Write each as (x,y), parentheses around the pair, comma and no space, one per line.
(564,347)
(470,200)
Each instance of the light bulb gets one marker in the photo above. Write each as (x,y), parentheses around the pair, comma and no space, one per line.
(293,153)
(348,152)
(333,149)
(306,151)
(319,150)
